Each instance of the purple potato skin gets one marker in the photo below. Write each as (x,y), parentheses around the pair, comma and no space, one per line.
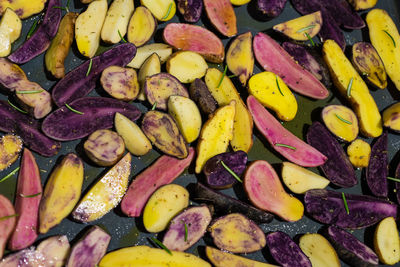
(350,249)
(337,168)
(90,249)
(377,170)
(328,207)
(65,125)
(41,39)
(12,121)
(397,184)
(190,9)
(217,176)
(77,84)
(285,251)
(271,8)
(225,204)
(201,95)
(196,219)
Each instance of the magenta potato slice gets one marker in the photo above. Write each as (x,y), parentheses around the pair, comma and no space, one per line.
(7,224)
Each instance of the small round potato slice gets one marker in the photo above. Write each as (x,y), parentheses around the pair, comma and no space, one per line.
(359,152)
(121,83)
(386,241)
(186,66)
(341,121)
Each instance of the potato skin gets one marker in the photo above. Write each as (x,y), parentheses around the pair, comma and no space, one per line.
(378,167)
(222,16)
(121,83)
(201,95)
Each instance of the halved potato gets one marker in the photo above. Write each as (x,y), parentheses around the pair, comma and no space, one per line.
(163,10)
(359,153)
(186,66)
(25,8)
(116,21)
(141,26)
(10,30)
(142,53)
(319,251)
(362,4)
(386,241)
(298,28)
(341,121)
(150,66)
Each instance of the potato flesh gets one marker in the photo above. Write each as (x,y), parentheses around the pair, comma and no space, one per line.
(391,118)
(142,26)
(264,86)
(297,28)
(363,4)
(342,72)
(341,121)
(386,241)
(222,16)
(186,66)
(150,66)
(10,30)
(116,21)
(88,28)
(163,10)
(319,251)
(142,53)
(359,153)
(26,8)
(239,2)
(163,205)
(121,83)
(10,148)
(55,250)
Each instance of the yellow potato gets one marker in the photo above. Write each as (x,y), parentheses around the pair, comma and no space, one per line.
(239,2)
(163,10)
(359,152)
(186,66)
(26,8)
(298,28)
(162,50)
(363,4)
(341,121)
(319,251)
(10,148)
(10,30)
(116,21)
(142,26)
(386,241)
(150,66)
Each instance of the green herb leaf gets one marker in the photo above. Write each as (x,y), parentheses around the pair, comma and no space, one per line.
(231,172)
(29,92)
(309,38)
(17,108)
(345,203)
(61,7)
(287,146)
(349,87)
(8,217)
(154,106)
(89,68)
(186,231)
(393,179)
(232,76)
(277,84)
(74,110)
(32,29)
(161,245)
(10,175)
(120,36)
(168,12)
(306,28)
(223,76)
(342,119)
(67,6)
(391,37)
(30,196)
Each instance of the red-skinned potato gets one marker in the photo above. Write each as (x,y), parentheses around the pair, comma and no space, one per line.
(7,222)
(222,16)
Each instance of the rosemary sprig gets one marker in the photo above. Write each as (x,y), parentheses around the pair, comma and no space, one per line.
(8,217)
(31,196)
(17,108)
(284,145)
(122,37)
(168,12)
(231,172)
(345,203)
(342,119)
(66,8)
(349,87)
(186,231)
(223,76)
(154,106)
(393,179)
(232,76)
(161,245)
(391,37)
(277,84)
(29,92)
(89,68)
(306,28)
(309,38)
(10,175)
(32,29)
(74,110)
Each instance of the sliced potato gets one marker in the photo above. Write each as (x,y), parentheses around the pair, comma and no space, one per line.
(359,153)
(25,8)
(150,66)
(141,27)
(162,50)
(341,121)
(116,21)
(319,251)
(121,83)
(363,4)
(186,66)
(239,2)
(10,30)
(298,28)
(10,148)
(391,117)
(163,10)
(386,241)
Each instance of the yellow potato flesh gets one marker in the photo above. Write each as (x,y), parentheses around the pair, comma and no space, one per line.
(239,2)
(116,21)
(298,28)
(386,241)
(142,53)
(359,153)
(150,66)
(10,148)
(341,121)
(363,4)
(391,117)
(26,8)
(141,26)
(186,66)
(163,10)
(10,30)
(319,251)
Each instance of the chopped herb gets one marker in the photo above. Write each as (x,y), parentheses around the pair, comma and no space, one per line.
(345,203)
(232,76)
(306,28)
(17,108)
(89,68)
(231,172)
(186,231)
(349,87)
(391,37)
(309,38)
(287,146)
(10,175)
(29,92)
(222,77)
(277,84)
(30,196)
(67,6)
(393,179)
(161,245)
(154,106)
(8,217)
(120,36)
(61,7)
(32,29)
(74,110)
(168,12)
(342,119)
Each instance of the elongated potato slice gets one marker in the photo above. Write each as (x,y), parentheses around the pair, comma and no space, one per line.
(224,94)
(142,26)
(162,50)
(116,21)
(222,16)
(272,92)
(88,28)
(10,148)
(341,121)
(391,118)
(163,10)
(186,66)
(10,30)
(215,134)
(352,86)
(319,251)
(25,8)
(150,66)
(386,241)
(298,28)
(385,38)
(239,58)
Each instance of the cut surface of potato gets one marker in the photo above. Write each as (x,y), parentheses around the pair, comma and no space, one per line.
(341,121)
(186,66)
(142,26)
(298,28)
(391,118)
(10,148)
(222,16)
(359,152)
(7,224)
(121,83)
(162,50)
(386,241)
(10,30)
(25,8)
(150,66)
(363,4)
(116,21)
(319,251)
(163,10)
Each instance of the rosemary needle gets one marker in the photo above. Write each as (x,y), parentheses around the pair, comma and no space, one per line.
(89,68)
(161,245)
(31,196)
(168,12)
(74,110)
(10,175)
(231,172)
(345,203)
(284,145)
(349,87)
(306,28)
(17,108)
(223,76)
(342,119)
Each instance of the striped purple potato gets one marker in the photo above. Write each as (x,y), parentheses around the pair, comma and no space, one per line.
(190,9)
(271,8)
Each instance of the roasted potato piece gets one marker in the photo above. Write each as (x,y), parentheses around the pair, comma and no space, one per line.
(378,167)
(222,16)
(298,28)
(10,30)
(10,148)
(162,50)
(319,251)
(163,10)
(55,250)
(186,66)
(60,45)
(121,83)
(391,117)
(199,92)
(7,222)
(190,9)
(386,241)
(116,21)
(25,8)
(341,121)
(239,2)
(359,152)
(271,8)
(150,66)
(142,26)
(363,4)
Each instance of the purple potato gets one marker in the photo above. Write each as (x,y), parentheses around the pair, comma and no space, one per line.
(98,113)
(217,176)
(77,84)
(41,39)
(196,219)
(285,251)
(377,170)
(337,168)
(328,207)
(190,9)
(350,249)
(202,96)
(271,8)
(397,184)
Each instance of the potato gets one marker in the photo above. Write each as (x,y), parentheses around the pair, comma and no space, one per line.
(215,135)
(7,222)
(163,205)
(271,91)
(222,16)
(341,121)
(391,118)
(237,234)
(163,10)
(377,171)
(25,8)
(150,66)
(148,257)
(10,30)
(386,241)
(135,140)
(239,58)
(116,21)
(363,4)
(352,86)
(199,92)
(224,94)
(239,2)
(61,193)
(54,250)
(10,148)
(88,28)
(298,28)
(60,45)
(186,66)
(105,194)
(319,250)
(121,83)
(104,147)
(299,180)
(187,116)
(163,132)
(386,40)
(190,9)
(162,50)
(359,152)
(142,26)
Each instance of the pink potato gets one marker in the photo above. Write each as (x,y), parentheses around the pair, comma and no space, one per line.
(7,222)
(222,16)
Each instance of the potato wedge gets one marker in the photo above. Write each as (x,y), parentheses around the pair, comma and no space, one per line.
(363,4)
(88,28)
(359,153)
(271,91)
(10,148)
(7,222)
(298,28)
(150,66)
(352,86)
(162,50)
(222,16)
(120,83)
(142,26)
(391,118)
(215,135)
(10,30)
(386,241)
(190,9)
(116,21)
(186,66)
(319,251)
(163,10)
(25,8)
(200,94)
(341,121)
(54,250)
